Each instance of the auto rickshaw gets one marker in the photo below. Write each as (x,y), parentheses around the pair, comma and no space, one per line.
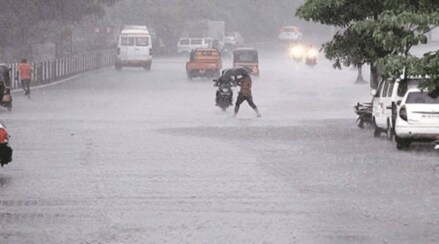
(248,58)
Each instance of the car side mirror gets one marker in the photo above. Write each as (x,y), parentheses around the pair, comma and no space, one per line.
(399,103)
(373,92)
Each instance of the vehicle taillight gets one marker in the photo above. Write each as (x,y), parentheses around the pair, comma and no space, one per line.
(4,136)
(403,113)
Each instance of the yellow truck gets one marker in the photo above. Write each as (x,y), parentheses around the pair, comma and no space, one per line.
(204,62)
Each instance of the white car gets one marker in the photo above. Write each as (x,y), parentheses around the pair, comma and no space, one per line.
(417,120)
(290,33)
(385,100)
(186,45)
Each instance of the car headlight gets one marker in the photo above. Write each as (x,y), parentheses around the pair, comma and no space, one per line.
(312,53)
(297,51)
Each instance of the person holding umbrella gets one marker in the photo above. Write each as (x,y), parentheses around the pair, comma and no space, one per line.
(245,94)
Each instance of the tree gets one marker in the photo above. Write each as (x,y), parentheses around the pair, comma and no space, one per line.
(27,16)
(373,29)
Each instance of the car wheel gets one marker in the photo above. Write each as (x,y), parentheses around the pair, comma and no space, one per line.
(377,130)
(147,67)
(360,123)
(401,143)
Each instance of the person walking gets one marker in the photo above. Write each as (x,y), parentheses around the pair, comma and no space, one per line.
(245,94)
(24,71)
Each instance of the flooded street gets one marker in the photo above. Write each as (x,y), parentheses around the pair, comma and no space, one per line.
(134,156)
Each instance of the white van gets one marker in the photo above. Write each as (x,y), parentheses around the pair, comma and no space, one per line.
(386,100)
(134,48)
(186,45)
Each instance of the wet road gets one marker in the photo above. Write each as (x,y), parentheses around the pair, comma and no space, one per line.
(146,157)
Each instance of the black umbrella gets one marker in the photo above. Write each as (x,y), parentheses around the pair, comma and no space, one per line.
(234,72)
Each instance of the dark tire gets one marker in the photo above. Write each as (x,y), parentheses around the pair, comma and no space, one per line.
(377,130)
(360,123)
(402,144)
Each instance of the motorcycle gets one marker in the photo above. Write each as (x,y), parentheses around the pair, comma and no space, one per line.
(311,56)
(364,114)
(5,90)
(6,100)
(224,94)
(297,52)
(5,149)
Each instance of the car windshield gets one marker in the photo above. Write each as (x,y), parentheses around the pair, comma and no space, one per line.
(246,57)
(420,98)
(289,29)
(196,41)
(127,41)
(184,42)
(142,41)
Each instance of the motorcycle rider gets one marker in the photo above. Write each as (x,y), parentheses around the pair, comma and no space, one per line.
(245,94)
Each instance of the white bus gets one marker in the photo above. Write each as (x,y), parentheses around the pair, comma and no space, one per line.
(134,48)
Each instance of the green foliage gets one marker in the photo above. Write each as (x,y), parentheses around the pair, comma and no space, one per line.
(376,32)
(26,17)
(339,12)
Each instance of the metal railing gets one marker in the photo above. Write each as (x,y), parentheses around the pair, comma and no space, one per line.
(46,72)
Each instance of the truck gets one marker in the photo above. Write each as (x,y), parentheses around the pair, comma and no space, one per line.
(134,48)
(204,62)
(216,31)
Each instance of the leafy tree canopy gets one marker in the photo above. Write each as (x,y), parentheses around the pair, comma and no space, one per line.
(375,31)
(26,16)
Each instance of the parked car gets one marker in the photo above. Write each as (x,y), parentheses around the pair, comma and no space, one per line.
(417,120)
(204,62)
(290,34)
(385,100)
(186,45)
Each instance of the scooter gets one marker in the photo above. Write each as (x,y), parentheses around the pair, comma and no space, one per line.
(224,94)
(5,90)
(311,56)
(6,100)
(5,149)
(364,114)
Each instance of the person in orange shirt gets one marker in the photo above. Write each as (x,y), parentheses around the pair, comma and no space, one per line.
(24,71)
(245,94)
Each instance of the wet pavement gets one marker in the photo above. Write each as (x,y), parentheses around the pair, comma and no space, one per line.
(146,157)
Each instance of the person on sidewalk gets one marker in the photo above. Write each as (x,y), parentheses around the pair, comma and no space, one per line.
(245,94)
(24,71)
